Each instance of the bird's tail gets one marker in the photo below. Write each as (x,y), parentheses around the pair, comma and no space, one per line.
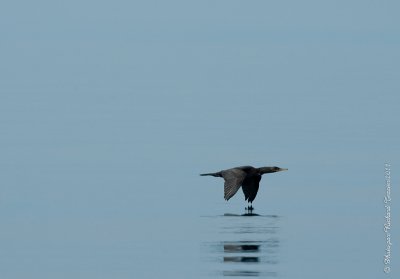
(216,174)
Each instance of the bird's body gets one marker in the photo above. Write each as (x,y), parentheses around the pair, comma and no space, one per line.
(247,177)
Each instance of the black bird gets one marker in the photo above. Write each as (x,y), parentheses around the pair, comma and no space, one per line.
(246,176)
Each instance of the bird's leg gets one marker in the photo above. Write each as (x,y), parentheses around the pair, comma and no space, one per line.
(251,206)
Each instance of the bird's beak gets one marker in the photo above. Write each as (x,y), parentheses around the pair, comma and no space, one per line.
(283,169)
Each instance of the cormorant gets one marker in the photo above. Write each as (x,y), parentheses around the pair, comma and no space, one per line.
(246,176)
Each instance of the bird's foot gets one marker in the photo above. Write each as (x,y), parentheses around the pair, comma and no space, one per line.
(249,208)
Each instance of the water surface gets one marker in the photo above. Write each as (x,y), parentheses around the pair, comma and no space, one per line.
(241,246)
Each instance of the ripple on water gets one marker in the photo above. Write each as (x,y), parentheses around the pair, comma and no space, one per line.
(242,247)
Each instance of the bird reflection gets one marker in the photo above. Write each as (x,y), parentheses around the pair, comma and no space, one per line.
(249,252)
(240,247)
(241,259)
(244,248)
(249,246)
(243,273)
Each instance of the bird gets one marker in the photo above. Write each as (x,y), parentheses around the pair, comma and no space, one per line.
(246,176)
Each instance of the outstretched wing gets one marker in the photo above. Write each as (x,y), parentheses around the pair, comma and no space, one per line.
(250,187)
(233,180)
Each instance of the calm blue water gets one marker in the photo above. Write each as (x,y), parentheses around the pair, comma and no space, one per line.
(242,246)
(333,233)
(109,110)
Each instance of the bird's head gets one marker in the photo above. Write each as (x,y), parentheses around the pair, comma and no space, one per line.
(270,169)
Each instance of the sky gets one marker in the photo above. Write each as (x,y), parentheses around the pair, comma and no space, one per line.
(108,109)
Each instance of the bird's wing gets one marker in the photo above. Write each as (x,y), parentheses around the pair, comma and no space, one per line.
(250,187)
(233,180)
